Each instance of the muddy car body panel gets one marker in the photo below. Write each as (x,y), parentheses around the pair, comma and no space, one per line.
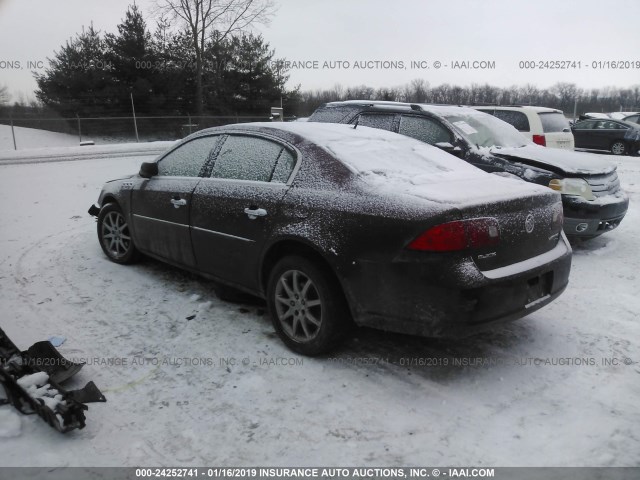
(347,205)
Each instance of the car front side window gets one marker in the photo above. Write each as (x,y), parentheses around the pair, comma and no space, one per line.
(517,119)
(376,120)
(188,159)
(584,125)
(424,129)
(244,157)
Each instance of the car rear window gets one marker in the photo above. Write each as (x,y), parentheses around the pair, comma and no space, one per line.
(553,122)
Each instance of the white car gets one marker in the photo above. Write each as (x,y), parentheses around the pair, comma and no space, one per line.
(545,126)
(595,116)
(624,115)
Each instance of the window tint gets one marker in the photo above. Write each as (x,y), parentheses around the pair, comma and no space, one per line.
(588,125)
(608,125)
(373,120)
(553,122)
(251,158)
(332,114)
(424,129)
(188,159)
(633,119)
(517,119)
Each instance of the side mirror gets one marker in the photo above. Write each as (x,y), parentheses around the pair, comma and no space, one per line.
(449,148)
(148,169)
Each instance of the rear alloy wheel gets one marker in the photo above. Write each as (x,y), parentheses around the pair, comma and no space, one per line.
(618,148)
(307,308)
(115,236)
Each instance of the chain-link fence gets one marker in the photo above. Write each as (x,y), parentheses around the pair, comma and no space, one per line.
(35,132)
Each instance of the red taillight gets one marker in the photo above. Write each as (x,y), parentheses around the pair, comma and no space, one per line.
(458,235)
(540,140)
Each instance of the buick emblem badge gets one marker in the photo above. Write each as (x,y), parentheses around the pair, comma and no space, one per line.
(529,223)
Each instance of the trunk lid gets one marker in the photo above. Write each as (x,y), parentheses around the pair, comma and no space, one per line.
(529,226)
(529,215)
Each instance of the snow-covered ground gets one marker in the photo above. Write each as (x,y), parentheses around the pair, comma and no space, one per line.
(35,138)
(196,381)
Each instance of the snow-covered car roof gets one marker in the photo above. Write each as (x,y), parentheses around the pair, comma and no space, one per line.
(621,115)
(596,115)
(364,148)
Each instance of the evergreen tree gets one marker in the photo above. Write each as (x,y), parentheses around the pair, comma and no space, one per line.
(241,75)
(174,77)
(131,57)
(78,80)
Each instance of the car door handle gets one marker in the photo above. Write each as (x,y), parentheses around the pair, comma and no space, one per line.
(254,213)
(178,202)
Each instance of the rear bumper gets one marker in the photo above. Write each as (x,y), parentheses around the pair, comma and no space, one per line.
(588,219)
(410,298)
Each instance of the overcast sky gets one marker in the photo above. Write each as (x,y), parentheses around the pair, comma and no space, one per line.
(399,32)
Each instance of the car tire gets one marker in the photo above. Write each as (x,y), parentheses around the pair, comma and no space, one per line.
(618,148)
(115,236)
(307,307)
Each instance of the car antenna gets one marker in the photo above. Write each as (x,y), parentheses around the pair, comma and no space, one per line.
(355,125)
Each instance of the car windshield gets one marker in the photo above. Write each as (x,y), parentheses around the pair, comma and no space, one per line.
(484,130)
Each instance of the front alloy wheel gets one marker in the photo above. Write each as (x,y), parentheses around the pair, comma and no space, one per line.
(115,236)
(307,306)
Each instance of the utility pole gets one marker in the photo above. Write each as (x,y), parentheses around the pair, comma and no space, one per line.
(79,128)
(13,133)
(135,123)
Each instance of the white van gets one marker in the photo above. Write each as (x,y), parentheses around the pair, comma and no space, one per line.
(545,126)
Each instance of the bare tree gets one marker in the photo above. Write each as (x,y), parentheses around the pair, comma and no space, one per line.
(214,21)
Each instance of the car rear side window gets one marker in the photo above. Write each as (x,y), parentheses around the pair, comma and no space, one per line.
(424,129)
(608,125)
(251,158)
(513,117)
(188,159)
(553,122)
(633,119)
(588,125)
(376,120)
(284,166)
